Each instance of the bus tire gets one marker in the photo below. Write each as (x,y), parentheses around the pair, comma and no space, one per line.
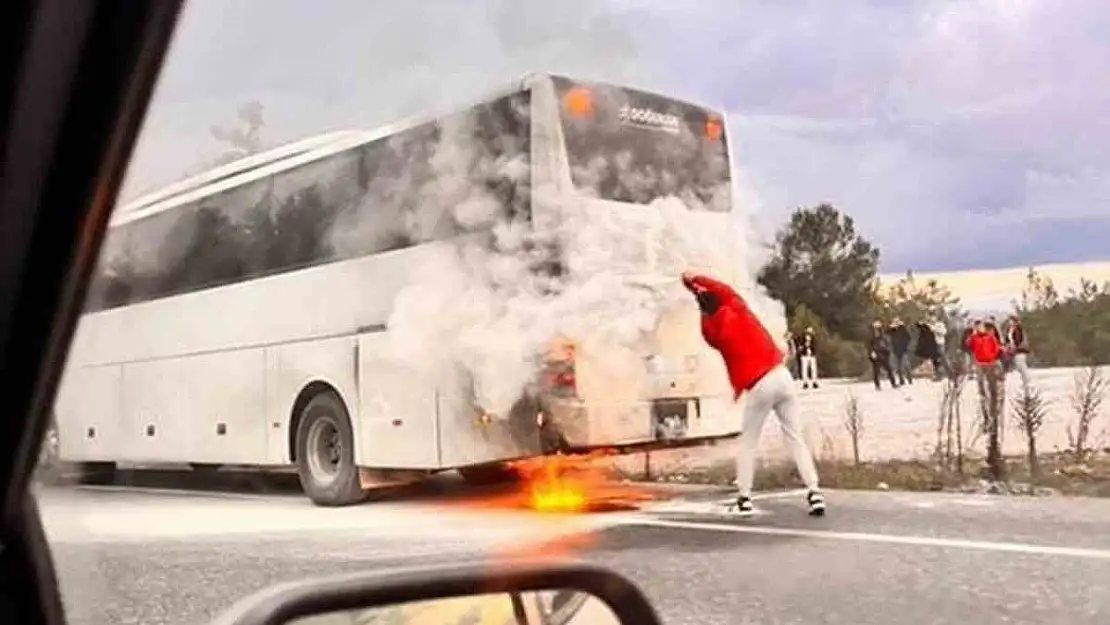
(326,452)
(488,474)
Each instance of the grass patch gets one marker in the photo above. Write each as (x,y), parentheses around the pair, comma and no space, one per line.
(1067,475)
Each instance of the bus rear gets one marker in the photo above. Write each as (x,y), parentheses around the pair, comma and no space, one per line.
(630,154)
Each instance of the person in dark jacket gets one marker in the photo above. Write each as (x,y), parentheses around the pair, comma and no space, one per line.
(756,368)
(928,348)
(805,346)
(900,340)
(792,355)
(991,325)
(1019,347)
(879,353)
(995,328)
(968,362)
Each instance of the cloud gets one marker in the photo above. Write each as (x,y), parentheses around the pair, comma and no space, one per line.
(355,63)
(959,134)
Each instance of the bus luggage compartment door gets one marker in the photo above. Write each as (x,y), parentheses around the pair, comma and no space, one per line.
(398,409)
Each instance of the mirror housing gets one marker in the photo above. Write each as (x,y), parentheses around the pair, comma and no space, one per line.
(285,603)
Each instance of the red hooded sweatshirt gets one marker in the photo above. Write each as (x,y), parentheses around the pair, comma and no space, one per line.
(733,330)
(984,347)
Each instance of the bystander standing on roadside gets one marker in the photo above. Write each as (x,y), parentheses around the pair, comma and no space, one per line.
(806,347)
(986,352)
(930,347)
(900,340)
(968,364)
(995,328)
(794,362)
(940,331)
(878,349)
(1019,347)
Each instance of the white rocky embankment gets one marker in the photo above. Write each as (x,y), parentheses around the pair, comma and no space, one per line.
(898,424)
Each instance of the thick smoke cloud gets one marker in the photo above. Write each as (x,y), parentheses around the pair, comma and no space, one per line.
(488,302)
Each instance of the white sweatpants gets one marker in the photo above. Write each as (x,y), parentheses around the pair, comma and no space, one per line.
(774,393)
(809,369)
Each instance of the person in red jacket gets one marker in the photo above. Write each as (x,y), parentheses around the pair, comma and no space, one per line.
(756,368)
(986,354)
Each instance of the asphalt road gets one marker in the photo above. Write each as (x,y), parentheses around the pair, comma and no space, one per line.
(878,558)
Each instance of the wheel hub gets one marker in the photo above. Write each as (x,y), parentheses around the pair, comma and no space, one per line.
(324,449)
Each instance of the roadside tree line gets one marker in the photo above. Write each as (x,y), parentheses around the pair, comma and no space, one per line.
(826,274)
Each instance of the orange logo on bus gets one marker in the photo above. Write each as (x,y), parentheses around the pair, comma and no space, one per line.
(713,128)
(579,102)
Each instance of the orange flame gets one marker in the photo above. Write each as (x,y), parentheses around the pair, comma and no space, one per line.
(565,484)
(556,486)
(559,487)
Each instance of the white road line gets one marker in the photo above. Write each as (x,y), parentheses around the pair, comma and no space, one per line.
(892,539)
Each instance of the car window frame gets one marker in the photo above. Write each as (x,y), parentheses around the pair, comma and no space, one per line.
(77,82)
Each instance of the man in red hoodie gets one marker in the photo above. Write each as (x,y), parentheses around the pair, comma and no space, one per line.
(986,353)
(756,368)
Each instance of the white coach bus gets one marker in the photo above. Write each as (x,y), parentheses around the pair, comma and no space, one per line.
(238,318)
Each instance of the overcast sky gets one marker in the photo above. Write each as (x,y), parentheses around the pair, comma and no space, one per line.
(960,134)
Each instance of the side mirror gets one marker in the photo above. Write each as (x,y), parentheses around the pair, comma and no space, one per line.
(497,593)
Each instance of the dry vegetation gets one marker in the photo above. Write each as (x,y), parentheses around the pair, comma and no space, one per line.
(959,462)
(1058,473)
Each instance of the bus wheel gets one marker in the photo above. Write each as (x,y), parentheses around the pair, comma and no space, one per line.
(488,474)
(326,453)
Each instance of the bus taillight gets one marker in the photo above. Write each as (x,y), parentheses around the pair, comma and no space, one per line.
(560,375)
(579,102)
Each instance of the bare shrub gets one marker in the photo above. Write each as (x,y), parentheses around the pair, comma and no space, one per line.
(1088,392)
(853,422)
(950,437)
(1029,412)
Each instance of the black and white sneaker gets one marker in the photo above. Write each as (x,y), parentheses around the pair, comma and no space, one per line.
(744,506)
(816,503)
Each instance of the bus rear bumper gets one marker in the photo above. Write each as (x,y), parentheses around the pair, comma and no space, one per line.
(650,445)
(663,423)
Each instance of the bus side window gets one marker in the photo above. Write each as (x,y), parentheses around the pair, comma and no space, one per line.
(367,199)
(503,130)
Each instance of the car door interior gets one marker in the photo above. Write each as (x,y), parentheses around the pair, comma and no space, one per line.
(77,77)
(478,591)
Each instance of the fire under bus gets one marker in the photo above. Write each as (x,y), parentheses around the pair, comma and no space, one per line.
(239,318)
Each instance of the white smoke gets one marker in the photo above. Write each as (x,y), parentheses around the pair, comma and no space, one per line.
(479,303)
(484,308)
